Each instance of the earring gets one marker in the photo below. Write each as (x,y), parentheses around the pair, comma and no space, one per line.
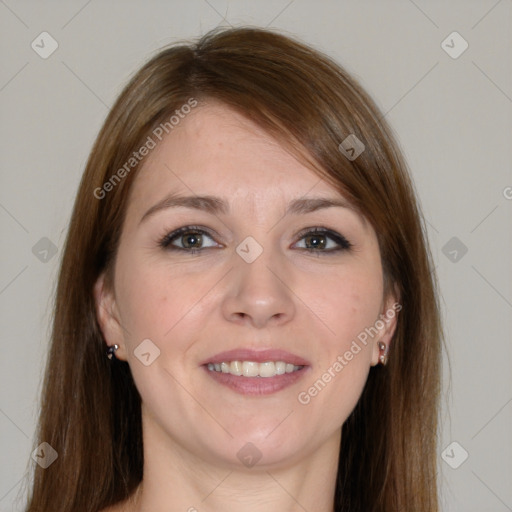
(383,358)
(111,352)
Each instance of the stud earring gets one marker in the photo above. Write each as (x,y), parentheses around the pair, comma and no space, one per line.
(383,358)
(111,352)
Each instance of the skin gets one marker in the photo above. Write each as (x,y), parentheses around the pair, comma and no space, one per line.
(193,306)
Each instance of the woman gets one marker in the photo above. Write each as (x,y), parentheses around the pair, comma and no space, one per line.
(246,314)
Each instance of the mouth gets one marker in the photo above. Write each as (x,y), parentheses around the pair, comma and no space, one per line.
(252,369)
(250,372)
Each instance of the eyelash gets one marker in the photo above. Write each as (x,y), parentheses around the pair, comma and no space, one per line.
(343,243)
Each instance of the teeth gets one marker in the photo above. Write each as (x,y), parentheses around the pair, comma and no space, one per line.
(250,369)
(235,368)
(253,369)
(280,368)
(267,369)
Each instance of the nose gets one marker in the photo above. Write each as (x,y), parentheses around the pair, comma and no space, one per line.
(259,293)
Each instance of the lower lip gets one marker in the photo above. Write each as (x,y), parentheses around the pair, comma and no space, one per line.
(257,385)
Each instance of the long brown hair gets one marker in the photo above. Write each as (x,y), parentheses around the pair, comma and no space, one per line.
(90,410)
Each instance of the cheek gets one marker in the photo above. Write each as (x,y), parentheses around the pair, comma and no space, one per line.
(164,303)
(347,304)
(149,306)
(143,302)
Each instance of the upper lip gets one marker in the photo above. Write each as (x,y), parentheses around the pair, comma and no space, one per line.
(258,356)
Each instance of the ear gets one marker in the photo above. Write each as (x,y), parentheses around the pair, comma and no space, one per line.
(108,317)
(387,325)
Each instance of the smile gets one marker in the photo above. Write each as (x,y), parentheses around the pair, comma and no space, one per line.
(256,372)
(254,369)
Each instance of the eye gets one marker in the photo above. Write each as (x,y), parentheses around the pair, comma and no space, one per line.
(323,240)
(192,239)
(188,239)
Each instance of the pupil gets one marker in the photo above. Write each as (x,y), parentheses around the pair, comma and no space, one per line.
(316,241)
(192,240)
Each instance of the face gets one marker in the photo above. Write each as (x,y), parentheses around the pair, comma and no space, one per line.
(264,271)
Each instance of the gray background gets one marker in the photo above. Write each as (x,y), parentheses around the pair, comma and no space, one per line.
(453,120)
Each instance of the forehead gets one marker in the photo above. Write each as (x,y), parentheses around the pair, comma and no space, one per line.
(214,149)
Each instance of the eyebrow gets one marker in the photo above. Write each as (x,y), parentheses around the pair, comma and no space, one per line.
(216,205)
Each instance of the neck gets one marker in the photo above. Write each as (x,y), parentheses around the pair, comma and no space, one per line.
(176,479)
